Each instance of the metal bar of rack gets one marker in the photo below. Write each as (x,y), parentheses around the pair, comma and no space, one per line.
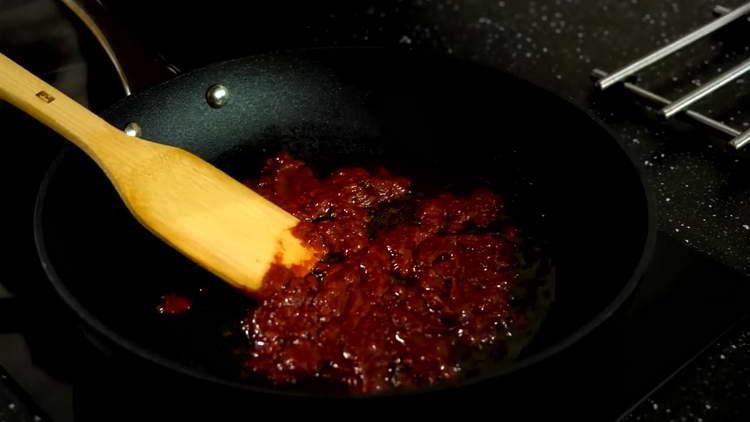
(659,100)
(668,49)
(671,108)
(706,89)
(741,140)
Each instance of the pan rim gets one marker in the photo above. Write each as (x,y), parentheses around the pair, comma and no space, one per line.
(143,353)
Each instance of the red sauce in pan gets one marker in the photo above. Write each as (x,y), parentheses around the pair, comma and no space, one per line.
(173,304)
(409,285)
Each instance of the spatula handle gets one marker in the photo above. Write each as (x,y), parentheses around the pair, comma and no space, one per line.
(55,110)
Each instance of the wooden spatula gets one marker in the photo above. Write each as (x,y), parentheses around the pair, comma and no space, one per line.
(191,205)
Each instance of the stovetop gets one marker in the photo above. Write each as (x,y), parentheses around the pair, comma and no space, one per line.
(686,313)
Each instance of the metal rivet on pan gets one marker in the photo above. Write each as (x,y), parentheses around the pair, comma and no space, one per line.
(217,96)
(133,129)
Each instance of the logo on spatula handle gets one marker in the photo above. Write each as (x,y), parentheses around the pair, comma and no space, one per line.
(44,96)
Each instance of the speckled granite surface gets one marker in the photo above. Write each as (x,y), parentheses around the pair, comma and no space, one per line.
(713,387)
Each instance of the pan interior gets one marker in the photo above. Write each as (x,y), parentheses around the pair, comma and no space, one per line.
(568,182)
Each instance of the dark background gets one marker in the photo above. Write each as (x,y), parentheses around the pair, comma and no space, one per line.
(703,189)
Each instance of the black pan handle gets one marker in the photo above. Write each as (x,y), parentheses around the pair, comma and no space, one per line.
(135,67)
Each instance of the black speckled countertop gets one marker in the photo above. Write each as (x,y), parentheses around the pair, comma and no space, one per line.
(707,389)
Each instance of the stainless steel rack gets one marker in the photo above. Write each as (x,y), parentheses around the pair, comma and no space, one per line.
(672,108)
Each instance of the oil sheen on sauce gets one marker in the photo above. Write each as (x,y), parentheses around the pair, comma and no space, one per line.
(413,289)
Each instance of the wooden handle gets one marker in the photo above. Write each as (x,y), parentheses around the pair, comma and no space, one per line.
(56,110)
(199,210)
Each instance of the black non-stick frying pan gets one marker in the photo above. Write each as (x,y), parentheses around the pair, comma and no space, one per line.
(569,182)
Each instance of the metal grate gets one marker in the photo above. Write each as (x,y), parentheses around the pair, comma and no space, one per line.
(672,108)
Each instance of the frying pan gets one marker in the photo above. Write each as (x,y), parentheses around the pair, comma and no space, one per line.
(568,180)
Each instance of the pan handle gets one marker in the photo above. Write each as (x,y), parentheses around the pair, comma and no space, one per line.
(136,68)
